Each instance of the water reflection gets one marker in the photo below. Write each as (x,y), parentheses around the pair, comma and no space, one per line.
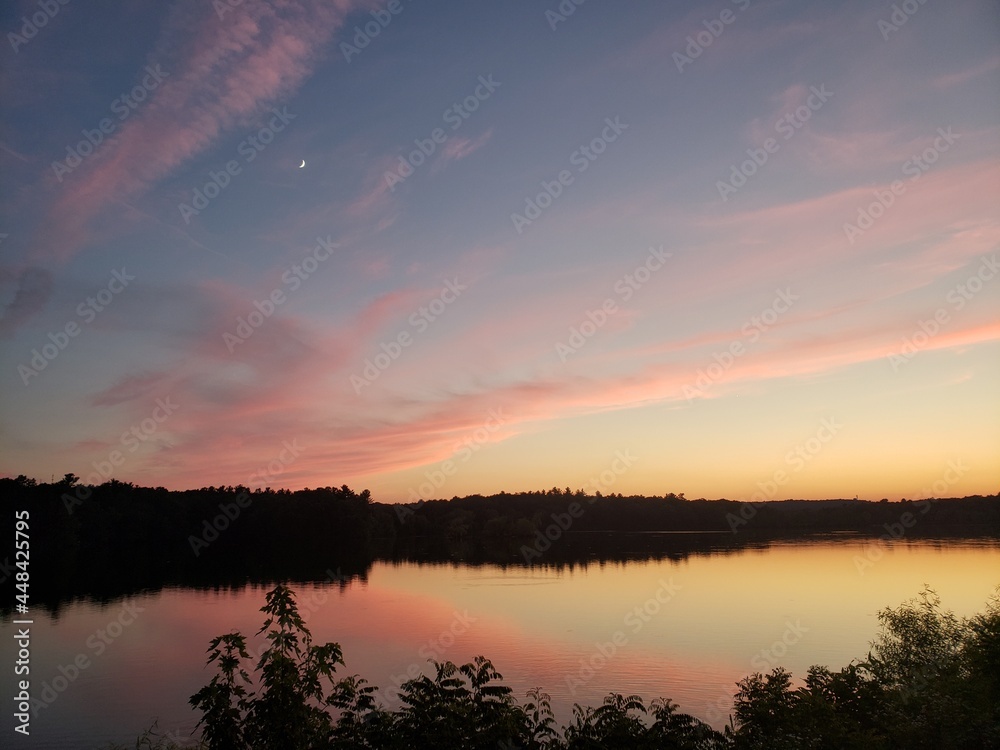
(338,565)
(679,616)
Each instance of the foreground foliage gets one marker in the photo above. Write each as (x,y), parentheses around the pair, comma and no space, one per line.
(930,680)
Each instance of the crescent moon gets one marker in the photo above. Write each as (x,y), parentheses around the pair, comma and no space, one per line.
(302,164)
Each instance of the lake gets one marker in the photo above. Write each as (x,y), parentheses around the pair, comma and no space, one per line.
(685,628)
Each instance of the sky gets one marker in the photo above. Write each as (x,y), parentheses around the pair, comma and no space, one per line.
(737,249)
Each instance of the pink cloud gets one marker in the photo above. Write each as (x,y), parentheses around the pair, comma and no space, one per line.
(220,74)
(128,388)
(949,80)
(742,40)
(239,415)
(949,200)
(290,383)
(286,381)
(853,150)
(376,195)
(384,176)
(16,154)
(459,148)
(740,244)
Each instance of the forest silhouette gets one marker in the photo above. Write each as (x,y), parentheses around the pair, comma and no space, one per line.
(102,542)
(930,680)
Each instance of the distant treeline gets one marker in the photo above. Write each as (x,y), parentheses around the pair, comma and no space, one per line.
(115,538)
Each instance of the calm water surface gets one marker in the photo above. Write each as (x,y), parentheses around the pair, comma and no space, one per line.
(702,623)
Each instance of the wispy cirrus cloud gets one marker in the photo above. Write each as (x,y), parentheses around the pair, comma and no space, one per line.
(128,388)
(948,80)
(459,148)
(289,381)
(221,74)
(31,288)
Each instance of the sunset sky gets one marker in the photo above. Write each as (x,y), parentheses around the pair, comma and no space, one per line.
(737,249)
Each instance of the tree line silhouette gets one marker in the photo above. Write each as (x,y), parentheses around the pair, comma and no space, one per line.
(110,540)
(931,680)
